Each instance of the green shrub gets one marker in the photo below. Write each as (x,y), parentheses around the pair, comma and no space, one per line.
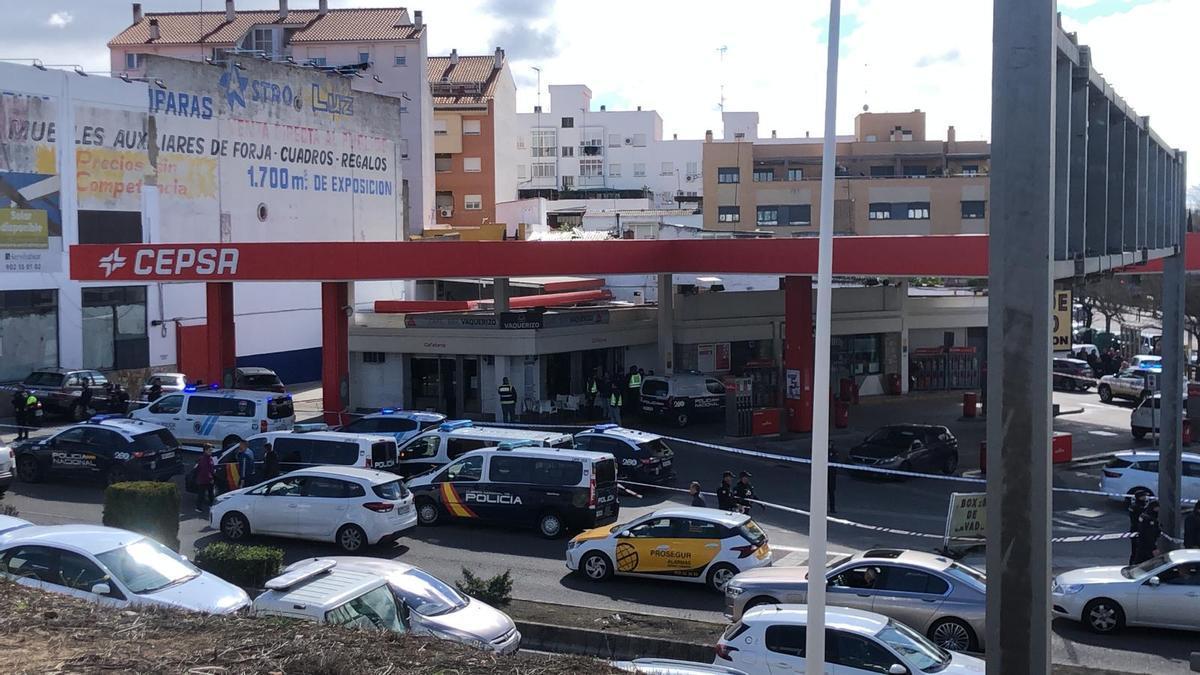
(496,591)
(146,507)
(245,566)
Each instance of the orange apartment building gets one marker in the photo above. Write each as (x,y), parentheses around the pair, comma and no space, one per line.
(890,180)
(474,136)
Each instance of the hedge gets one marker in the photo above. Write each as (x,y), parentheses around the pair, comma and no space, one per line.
(147,507)
(245,566)
(496,591)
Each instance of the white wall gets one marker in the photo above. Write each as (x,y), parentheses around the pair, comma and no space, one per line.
(504,122)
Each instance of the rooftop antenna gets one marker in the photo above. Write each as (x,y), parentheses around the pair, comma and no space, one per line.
(721,50)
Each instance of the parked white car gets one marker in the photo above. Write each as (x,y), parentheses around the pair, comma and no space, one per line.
(771,639)
(112,567)
(6,468)
(1133,470)
(1163,592)
(354,508)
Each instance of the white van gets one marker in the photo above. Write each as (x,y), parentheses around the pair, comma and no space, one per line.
(1147,417)
(219,416)
(305,450)
(450,440)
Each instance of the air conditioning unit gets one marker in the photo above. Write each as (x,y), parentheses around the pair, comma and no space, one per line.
(446,212)
(628,141)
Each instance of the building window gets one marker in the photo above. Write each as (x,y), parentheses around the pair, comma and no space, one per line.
(614,140)
(544,170)
(729,214)
(668,169)
(915,171)
(114,328)
(568,122)
(871,138)
(763,175)
(795,174)
(768,215)
(471,127)
(133,61)
(796,214)
(317,61)
(591,168)
(442,163)
(728,174)
(473,202)
(614,169)
(973,210)
(545,142)
(263,40)
(30,324)
(522,172)
(639,169)
(906,134)
(445,204)
(918,210)
(373,357)
(591,140)
(472,164)
(970,170)
(439,127)
(853,355)
(878,171)
(364,57)
(880,211)
(568,151)
(693,169)
(400,57)
(639,140)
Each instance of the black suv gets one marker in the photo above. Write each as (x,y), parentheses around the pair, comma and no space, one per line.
(59,390)
(253,378)
(1072,374)
(908,447)
(110,450)
(641,457)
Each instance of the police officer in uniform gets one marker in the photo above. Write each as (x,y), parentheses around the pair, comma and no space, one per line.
(593,388)
(19,412)
(634,385)
(615,402)
(725,500)
(508,400)
(743,492)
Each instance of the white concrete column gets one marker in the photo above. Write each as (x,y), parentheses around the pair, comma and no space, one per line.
(666,324)
(902,301)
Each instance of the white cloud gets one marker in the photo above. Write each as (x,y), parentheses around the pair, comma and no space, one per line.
(59,19)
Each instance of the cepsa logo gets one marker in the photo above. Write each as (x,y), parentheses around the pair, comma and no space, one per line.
(169,262)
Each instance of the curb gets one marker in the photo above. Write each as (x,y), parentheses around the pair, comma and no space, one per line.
(611,646)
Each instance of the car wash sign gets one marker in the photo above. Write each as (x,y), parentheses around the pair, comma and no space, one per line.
(966,518)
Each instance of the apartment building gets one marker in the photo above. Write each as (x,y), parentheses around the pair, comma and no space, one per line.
(474,131)
(567,150)
(891,179)
(381,51)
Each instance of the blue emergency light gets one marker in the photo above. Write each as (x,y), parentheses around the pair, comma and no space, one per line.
(456,424)
(388,411)
(190,388)
(605,427)
(214,386)
(96,419)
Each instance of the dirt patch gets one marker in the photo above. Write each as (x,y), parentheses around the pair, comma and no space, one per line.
(642,625)
(42,632)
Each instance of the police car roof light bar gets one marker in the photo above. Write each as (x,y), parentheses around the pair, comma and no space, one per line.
(312,570)
(96,419)
(451,425)
(388,411)
(513,445)
(189,388)
(307,427)
(605,427)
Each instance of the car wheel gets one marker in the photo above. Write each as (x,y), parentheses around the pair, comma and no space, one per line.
(1105,392)
(78,412)
(719,576)
(1138,432)
(427,512)
(230,441)
(1103,616)
(596,566)
(953,635)
(28,470)
(950,464)
(550,524)
(681,419)
(352,538)
(235,527)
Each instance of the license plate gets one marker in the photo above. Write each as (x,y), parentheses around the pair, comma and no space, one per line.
(666,463)
(167,455)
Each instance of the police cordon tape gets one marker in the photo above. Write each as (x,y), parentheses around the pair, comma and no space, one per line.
(1076,539)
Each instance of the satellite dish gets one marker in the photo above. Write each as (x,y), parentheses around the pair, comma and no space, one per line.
(866,107)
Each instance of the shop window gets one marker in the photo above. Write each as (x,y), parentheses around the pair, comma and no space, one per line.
(28,332)
(856,355)
(114,328)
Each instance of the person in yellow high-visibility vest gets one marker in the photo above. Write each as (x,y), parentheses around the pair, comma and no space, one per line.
(634,393)
(615,400)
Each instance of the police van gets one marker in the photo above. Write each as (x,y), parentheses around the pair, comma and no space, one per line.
(303,450)
(683,399)
(450,440)
(219,416)
(642,457)
(400,424)
(551,489)
(107,447)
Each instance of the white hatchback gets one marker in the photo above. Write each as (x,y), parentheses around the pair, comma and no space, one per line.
(1133,470)
(112,567)
(353,507)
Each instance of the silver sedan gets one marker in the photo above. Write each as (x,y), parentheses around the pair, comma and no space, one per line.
(933,594)
(1163,591)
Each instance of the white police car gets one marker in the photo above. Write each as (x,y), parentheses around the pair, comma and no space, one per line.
(219,416)
(401,424)
(109,448)
(642,457)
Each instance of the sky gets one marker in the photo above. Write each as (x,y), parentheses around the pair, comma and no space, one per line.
(680,57)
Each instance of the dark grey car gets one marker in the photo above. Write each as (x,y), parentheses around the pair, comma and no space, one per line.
(932,594)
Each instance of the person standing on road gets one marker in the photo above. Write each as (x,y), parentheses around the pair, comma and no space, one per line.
(1136,507)
(697,498)
(592,389)
(1191,528)
(832,491)
(19,413)
(725,500)
(508,400)
(633,385)
(245,464)
(205,470)
(155,391)
(1148,532)
(603,391)
(743,492)
(85,397)
(270,462)
(615,402)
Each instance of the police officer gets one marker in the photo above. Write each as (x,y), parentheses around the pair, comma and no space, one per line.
(1148,532)
(743,492)
(32,407)
(603,392)
(725,500)
(615,401)
(634,385)
(1136,507)
(592,390)
(832,491)
(508,400)
(19,413)
(155,391)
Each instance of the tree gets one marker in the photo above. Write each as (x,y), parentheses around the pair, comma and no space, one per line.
(1191,303)
(1111,296)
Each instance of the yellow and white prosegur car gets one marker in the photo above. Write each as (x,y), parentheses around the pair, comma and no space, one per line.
(688,543)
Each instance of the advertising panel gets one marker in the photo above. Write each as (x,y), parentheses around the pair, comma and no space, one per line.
(30,215)
(1062,321)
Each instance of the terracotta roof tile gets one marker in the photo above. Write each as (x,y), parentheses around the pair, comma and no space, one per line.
(470,70)
(308,25)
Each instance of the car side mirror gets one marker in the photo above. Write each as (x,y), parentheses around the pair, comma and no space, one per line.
(1154,581)
(625,534)
(897,669)
(101,589)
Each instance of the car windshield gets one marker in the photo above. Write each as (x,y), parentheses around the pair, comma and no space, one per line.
(426,594)
(374,609)
(1139,571)
(393,490)
(264,380)
(43,380)
(892,436)
(914,647)
(146,566)
(154,441)
(967,573)
(752,532)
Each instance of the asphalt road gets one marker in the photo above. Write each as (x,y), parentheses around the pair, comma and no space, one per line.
(916,505)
